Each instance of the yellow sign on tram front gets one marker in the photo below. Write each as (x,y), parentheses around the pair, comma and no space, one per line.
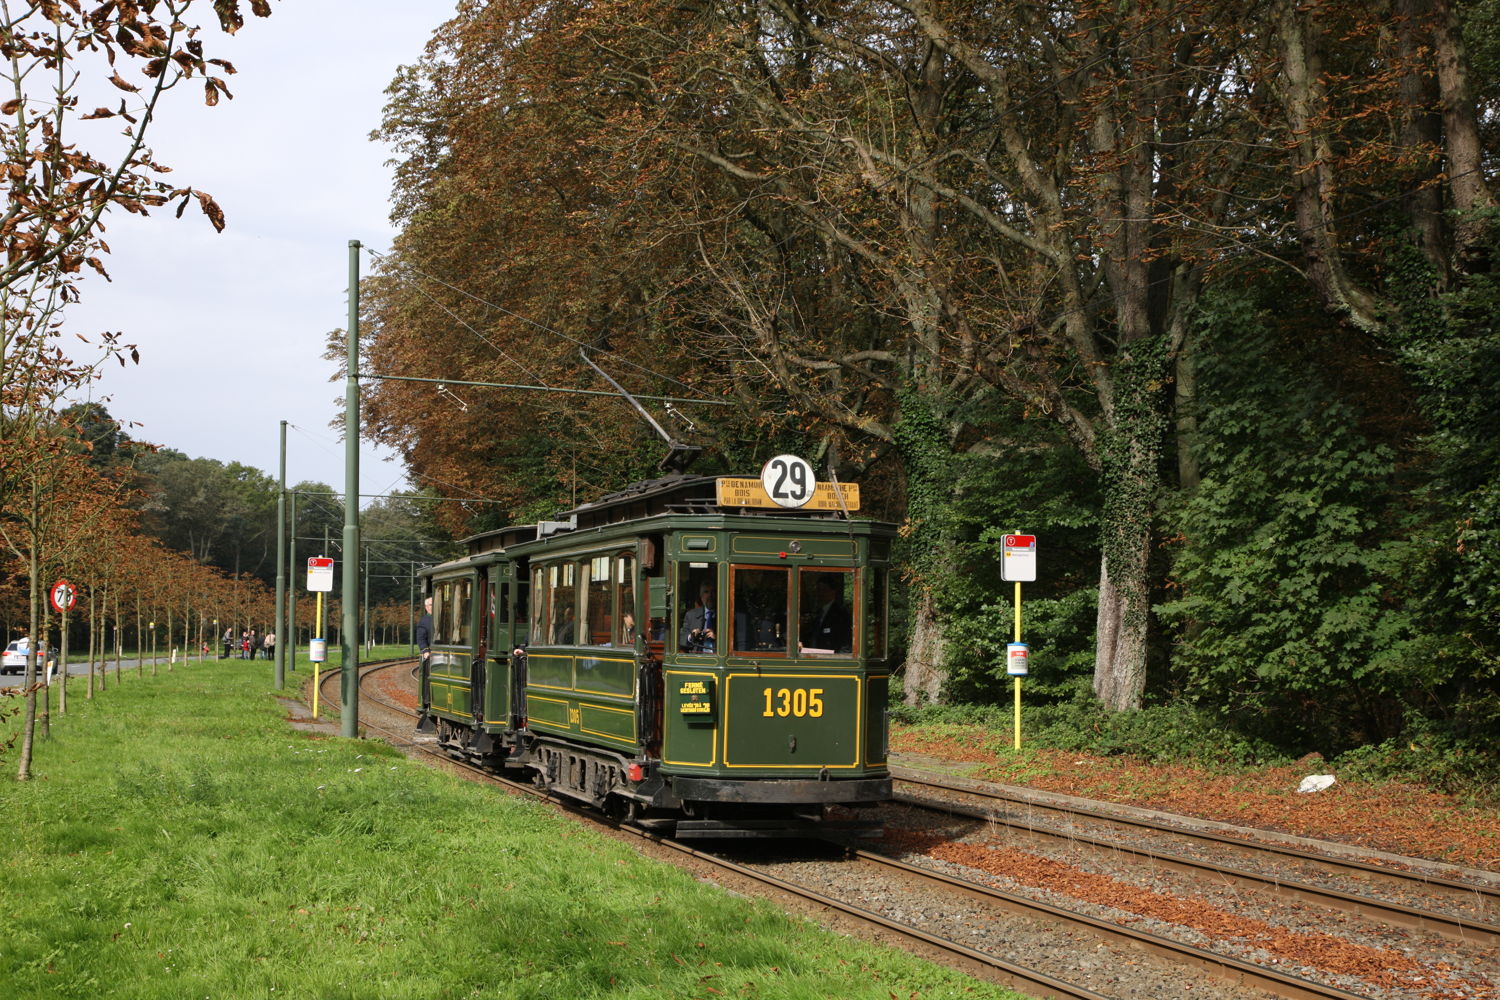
(751,493)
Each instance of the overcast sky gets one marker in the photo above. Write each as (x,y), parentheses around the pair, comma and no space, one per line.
(231,325)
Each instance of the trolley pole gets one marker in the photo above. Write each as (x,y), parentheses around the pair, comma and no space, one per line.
(279,649)
(349,634)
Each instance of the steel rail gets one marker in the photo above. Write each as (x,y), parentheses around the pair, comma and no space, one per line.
(1019,976)
(1396,914)
(1222,966)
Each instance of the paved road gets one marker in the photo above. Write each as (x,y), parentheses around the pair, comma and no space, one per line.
(77,667)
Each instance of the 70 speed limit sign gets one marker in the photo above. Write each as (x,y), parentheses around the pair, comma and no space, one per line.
(63,596)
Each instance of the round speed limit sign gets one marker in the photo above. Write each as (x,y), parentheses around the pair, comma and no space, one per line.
(63,596)
(788,480)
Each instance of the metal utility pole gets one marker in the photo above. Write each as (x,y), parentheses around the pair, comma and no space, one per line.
(366,636)
(280,648)
(349,633)
(291,611)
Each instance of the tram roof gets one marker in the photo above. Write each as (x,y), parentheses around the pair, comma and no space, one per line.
(675,494)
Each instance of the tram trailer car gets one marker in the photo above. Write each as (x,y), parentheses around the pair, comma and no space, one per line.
(669,656)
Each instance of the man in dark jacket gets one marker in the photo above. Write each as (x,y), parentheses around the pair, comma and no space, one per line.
(424,630)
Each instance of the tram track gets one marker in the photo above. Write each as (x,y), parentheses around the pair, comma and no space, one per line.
(950,949)
(1456,908)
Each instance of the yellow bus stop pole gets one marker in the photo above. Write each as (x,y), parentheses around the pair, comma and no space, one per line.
(1018,679)
(317,664)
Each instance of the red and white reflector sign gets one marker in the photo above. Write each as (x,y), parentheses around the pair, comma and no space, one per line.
(1017,659)
(320,574)
(1018,565)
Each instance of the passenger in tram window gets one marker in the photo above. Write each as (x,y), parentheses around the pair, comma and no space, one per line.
(564,632)
(832,628)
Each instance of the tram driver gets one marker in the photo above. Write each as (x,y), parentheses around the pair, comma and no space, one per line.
(698,626)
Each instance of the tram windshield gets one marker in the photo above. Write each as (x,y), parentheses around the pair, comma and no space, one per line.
(825,612)
(760,597)
(697,612)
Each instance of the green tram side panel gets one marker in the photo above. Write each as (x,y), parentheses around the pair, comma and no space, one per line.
(812,546)
(691,722)
(448,685)
(497,693)
(583,696)
(877,724)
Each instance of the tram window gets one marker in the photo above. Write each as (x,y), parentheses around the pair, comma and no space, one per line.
(539,606)
(458,623)
(564,599)
(523,593)
(441,598)
(825,619)
(625,598)
(486,615)
(595,621)
(760,609)
(696,610)
(880,610)
(500,602)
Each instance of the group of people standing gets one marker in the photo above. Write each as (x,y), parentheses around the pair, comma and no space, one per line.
(249,645)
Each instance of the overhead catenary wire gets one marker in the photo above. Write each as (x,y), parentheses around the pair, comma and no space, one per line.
(545,328)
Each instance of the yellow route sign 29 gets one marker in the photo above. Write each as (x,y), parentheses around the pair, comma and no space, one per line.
(751,493)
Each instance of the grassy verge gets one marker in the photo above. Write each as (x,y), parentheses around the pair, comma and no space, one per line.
(180,841)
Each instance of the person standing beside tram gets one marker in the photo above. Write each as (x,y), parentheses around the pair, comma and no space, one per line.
(423,635)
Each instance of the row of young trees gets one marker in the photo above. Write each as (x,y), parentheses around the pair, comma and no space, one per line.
(80,526)
(1198,291)
(73,154)
(223,514)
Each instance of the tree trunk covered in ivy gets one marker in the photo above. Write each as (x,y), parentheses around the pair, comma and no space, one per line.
(923,442)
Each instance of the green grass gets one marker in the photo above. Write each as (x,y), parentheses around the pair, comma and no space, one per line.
(180,841)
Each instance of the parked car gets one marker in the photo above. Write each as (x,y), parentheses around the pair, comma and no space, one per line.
(14,661)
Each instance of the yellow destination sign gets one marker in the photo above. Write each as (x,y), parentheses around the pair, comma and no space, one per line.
(750,493)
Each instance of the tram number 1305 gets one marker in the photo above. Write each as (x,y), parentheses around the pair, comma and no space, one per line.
(800,702)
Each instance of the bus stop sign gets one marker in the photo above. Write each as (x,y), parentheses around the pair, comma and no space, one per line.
(1018,565)
(319,574)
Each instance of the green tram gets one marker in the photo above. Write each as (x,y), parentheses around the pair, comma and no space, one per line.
(673,655)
